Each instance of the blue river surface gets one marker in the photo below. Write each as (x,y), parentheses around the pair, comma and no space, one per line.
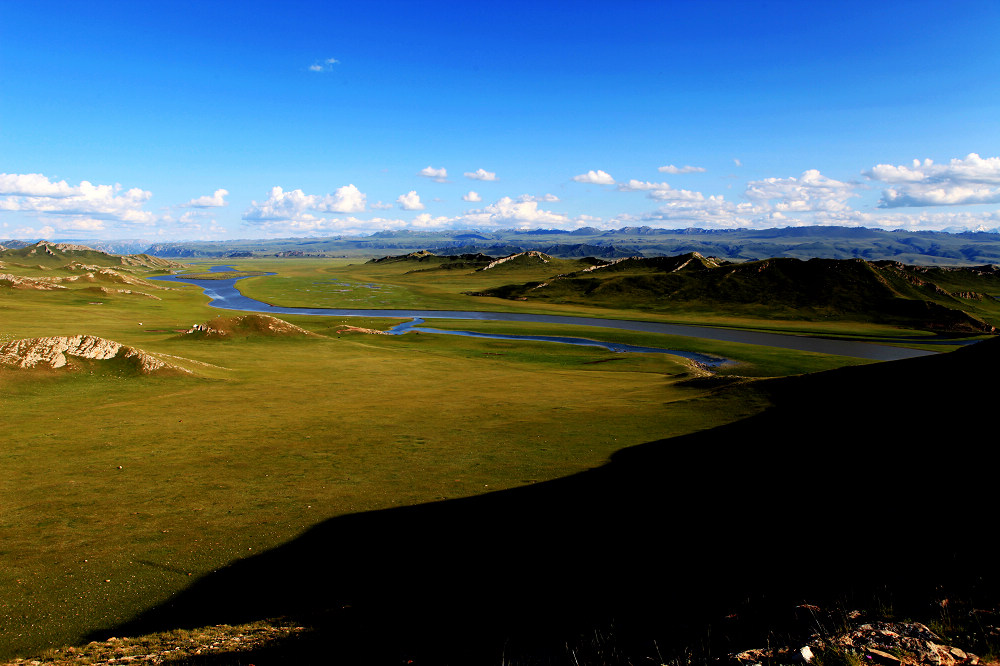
(226,296)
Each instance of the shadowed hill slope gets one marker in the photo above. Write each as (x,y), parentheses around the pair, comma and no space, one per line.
(887,292)
(861,485)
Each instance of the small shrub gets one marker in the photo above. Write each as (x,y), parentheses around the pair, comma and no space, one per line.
(836,656)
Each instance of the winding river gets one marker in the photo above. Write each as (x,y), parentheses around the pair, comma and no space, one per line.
(225,295)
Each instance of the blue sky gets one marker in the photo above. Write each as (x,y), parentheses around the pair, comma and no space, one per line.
(258,119)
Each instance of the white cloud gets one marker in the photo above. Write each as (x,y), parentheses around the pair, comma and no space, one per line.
(710,212)
(971,180)
(660,191)
(737,162)
(323,65)
(426,221)
(437,175)
(641,186)
(33,185)
(30,232)
(472,196)
(595,177)
(217,199)
(296,205)
(545,198)
(507,212)
(481,174)
(381,206)
(670,168)
(811,192)
(35,193)
(410,201)
(347,199)
(955,222)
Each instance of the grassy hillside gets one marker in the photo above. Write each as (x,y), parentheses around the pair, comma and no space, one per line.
(961,300)
(44,256)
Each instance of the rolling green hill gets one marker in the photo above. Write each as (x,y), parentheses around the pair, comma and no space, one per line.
(44,255)
(959,300)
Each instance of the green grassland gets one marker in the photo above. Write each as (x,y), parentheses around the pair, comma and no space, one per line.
(120,489)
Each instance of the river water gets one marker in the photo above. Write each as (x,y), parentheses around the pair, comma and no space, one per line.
(225,295)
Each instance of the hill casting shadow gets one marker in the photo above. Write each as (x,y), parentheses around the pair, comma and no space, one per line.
(863,482)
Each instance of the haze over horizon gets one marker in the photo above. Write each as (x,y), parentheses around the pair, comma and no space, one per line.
(211,121)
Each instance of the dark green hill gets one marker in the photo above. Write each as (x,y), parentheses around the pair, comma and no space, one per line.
(943,299)
(431,259)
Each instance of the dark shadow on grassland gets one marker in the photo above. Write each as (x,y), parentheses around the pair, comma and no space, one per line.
(864,485)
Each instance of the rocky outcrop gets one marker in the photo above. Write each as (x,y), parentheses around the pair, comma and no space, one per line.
(59,352)
(590,269)
(129,292)
(532,256)
(48,247)
(883,643)
(18,282)
(358,329)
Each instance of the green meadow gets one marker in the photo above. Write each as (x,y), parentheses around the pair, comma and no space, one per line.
(121,489)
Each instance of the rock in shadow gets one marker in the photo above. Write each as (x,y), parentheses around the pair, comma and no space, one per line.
(859,482)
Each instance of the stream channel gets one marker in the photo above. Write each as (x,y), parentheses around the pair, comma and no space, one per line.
(226,296)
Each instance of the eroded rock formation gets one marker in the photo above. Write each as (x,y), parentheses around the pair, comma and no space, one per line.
(58,352)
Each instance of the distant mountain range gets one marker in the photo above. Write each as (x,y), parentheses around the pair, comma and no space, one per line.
(910,247)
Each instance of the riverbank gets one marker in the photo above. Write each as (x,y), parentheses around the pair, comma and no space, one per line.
(225,295)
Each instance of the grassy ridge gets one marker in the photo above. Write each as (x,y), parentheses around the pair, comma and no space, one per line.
(885,292)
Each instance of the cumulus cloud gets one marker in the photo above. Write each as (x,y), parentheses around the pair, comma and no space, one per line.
(670,168)
(35,193)
(481,174)
(347,199)
(595,177)
(707,212)
(810,192)
(410,201)
(427,221)
(510,212)
(971,180)
(660,191)
(217,199)
(323,65)
(472,196)
(297,205)
(953,222)
(378,205)
(437,175)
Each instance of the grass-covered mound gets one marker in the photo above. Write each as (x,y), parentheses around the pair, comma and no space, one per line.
(245,326)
